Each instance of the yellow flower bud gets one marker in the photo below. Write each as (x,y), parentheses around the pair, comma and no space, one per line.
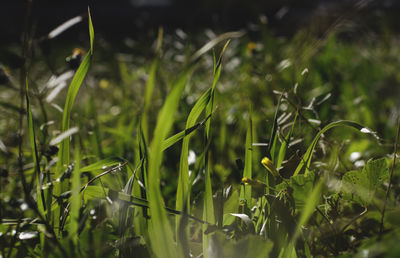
(267,163)
(253,182)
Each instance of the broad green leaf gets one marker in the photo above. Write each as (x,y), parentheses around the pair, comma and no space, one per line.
(361,186)
(302,186)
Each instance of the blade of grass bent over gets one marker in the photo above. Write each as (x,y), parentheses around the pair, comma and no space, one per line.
(306,160)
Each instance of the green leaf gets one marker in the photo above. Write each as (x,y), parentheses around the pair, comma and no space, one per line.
(361,186)
(302,186)
(102,165)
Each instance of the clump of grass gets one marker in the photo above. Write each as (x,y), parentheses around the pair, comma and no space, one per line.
(293,196)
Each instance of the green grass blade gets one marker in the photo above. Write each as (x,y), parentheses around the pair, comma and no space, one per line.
(208,208)
(285,143)
(306,213)
(40,196)
(63,154)
(273,138)
(91,32)
(183,188)
(212,43)
(151,81)
(183,134)
(306,160)
(39,192)
(246,194)
(75,199)
(162,240)
(102,165)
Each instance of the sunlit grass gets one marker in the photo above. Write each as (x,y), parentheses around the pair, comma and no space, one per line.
(266,175)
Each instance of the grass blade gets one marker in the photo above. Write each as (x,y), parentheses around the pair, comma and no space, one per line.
(183,188)
(247,172)
(208,208)
(285,143)
(160,228)
(75,199)
(151,81)
(63,154)
(306,160)
(41,205)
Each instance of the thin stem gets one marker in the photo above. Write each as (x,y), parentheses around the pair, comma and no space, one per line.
(390,178)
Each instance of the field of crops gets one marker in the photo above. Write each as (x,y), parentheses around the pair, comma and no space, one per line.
(231,144)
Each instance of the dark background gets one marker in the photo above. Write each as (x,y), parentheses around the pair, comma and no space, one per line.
(118,18)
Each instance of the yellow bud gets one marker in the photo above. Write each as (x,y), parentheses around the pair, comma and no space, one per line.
(267,163)
(253,183)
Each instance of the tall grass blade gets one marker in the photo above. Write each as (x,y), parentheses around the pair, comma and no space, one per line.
(208,208)
(183,134)
(63,154)
(306,213)
(183,188)
(75,199)
(151,81)
(285,144)
(41,202)
(247,173)
(273,138)
(162,240)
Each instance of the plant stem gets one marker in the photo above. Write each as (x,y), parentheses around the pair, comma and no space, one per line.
(390,177)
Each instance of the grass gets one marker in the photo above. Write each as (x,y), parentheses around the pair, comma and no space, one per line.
(225,151)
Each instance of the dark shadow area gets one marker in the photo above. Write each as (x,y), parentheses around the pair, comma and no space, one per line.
(134,18)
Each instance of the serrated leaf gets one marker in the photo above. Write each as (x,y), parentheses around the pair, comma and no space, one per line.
(361,186)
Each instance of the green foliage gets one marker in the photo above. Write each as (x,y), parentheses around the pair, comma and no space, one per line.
(158,145)
(363,186)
